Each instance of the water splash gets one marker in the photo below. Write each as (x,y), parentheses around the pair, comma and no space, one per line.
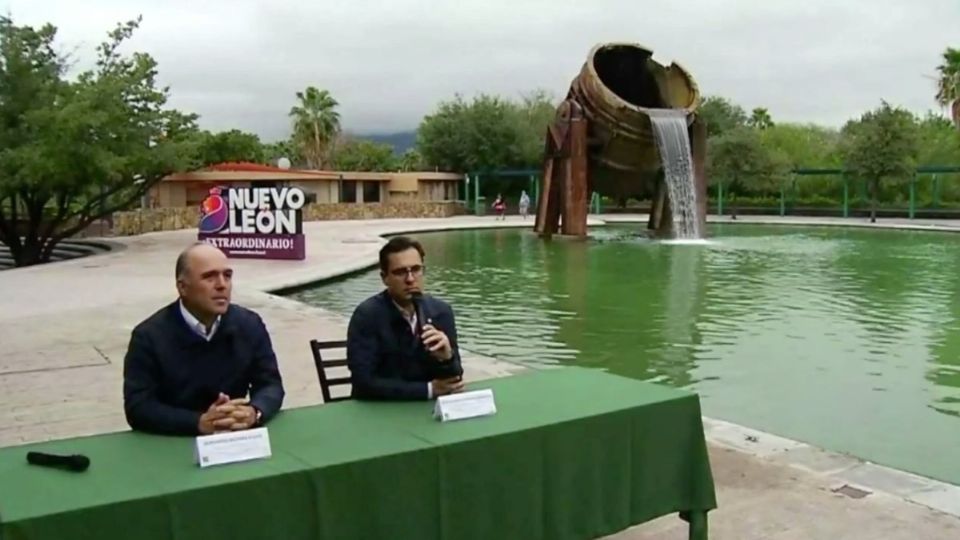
(689,242)
(673,142)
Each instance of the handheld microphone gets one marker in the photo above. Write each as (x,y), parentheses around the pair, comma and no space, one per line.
(417,299)
(76,463)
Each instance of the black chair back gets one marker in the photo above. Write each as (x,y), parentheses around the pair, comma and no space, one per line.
(323,364)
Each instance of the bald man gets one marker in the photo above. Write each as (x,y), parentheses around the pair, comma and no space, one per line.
(201,365)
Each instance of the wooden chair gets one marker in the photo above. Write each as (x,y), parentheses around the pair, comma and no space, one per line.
(322,366)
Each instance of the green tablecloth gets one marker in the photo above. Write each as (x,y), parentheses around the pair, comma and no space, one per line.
(571,453)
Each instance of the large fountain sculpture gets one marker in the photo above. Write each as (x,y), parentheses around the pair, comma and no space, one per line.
(627,128)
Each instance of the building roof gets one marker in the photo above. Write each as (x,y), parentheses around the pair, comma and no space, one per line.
(248,166)
(246,171)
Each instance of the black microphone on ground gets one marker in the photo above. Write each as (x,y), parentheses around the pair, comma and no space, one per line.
(77,463)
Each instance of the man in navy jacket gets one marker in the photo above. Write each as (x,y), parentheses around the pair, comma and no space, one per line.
(190,366)
(401,344)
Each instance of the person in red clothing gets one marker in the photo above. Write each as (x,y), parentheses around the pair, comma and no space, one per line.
(500,207)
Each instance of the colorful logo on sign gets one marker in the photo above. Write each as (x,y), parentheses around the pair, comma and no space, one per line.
(254,222)
(213,213)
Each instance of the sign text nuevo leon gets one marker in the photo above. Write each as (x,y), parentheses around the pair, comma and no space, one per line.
(248,216)
(255,222)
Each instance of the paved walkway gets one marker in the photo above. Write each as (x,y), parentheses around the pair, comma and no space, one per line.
(761,499)
(65,326)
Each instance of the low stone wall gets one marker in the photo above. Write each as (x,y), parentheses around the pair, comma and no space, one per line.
(170,219)
(154,219)
(397,209)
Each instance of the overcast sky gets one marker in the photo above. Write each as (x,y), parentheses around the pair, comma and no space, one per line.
(238,63)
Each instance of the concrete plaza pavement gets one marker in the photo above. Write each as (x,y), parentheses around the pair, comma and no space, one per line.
(65,327)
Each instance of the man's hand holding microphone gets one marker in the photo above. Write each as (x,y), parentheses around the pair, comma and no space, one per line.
(436,342)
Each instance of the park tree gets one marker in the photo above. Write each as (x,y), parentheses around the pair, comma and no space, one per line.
(74,151)
(939,145)
(272,152)
(807,146)
(364,155)
(939,141)
(880,147)
(487,134)
(316,124)
(532,115)
(948,83)
(720,115)
(760,118)
(482,135)
(411,160)
(229,146)
(804,145)
(739,159)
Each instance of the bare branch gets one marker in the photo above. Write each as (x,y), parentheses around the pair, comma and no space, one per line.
(85,219)
(8,231)
(63,204)
(105,195)
(34,209)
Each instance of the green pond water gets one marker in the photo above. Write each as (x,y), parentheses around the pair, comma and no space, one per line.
(847,339)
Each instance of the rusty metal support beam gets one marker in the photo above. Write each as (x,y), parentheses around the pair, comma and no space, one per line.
(664,225)
(552,224)
(547,206)
(698,149)
(656,203)
(575,175)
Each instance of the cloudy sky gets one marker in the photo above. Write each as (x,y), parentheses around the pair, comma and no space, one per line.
(238,63)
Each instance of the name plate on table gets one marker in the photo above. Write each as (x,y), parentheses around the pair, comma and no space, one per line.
(223,448)
(465,405)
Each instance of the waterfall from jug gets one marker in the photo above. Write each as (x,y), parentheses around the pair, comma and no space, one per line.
(673,142)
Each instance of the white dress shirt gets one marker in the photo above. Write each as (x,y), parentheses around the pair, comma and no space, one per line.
(198,327)
(411,319)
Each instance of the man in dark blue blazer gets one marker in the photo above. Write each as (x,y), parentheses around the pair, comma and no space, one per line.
(190,366)
(402,344)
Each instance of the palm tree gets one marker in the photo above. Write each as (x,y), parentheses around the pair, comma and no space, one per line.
(315,124)
(760,118)
(948,85)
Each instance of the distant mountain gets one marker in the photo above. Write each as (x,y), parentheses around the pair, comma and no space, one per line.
(401,141)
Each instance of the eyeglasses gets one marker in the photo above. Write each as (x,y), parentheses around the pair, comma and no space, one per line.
(415,270)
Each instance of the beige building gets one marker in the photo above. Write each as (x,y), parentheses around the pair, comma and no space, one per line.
(190,188)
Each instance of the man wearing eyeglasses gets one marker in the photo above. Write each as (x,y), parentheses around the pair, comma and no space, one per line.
(391,352)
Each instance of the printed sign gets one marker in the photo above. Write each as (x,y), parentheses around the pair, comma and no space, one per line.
(261,223)
(465,405)
(231,447)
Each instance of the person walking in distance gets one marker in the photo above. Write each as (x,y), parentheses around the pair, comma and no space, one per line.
(524,204)
(500,207)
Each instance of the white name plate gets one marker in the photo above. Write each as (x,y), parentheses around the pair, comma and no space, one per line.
(222,448)
(465,405)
